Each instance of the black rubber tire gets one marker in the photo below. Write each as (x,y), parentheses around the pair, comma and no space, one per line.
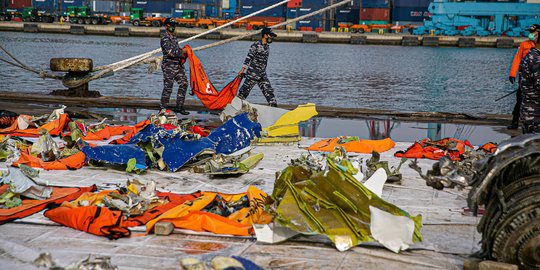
(87,21)
(156,23)
(136,23)
(95,21)
(80,21)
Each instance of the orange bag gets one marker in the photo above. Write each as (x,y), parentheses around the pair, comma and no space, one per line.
(360,146)
(205,90)
(190,215)
(29,206)
(54,128)
(73,162)
(92,219)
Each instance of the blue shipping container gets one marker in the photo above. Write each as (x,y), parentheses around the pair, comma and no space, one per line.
(412,3)
(69,3)
(409,14)
(211,11)
(105,7)
(375,3)
(47,6)
(297,12)
(317,4)
(150,6)
(348,15)
(274,12)
(205,2)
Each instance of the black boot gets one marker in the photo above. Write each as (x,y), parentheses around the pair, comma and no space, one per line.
(514,125)
(180,110)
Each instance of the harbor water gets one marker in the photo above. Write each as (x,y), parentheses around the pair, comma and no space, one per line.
(462,80)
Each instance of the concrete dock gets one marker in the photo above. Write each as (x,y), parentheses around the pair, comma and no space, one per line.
(396,39)
(12,98)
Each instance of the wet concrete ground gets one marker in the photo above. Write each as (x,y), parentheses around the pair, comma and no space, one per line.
(449,236)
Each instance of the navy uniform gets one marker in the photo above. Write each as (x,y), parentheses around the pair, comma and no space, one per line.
(529,83)
(173,68)
(255,63)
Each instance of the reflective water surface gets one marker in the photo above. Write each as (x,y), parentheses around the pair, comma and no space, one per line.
(464,80)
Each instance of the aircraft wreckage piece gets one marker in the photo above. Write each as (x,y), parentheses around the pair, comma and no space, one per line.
(507,185)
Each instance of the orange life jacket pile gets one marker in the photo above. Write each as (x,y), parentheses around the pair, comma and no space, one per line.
(186,211)
(102,221)
(436,149)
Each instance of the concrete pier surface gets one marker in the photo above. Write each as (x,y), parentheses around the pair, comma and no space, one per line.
(449,235)
(292,36)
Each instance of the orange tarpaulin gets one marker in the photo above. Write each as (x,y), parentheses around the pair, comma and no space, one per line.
(190,215)
(357,146)
(205,90)
(75,161)
(29,206)
(54,128)
(436,149)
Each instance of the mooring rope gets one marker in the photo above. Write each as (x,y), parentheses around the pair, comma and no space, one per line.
(19,64)
(155,61)
(148,54)
(108,70)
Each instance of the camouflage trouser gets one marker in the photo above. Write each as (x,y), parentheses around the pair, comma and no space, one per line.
(264,84)
(531,127)
(517,107)
(171,73)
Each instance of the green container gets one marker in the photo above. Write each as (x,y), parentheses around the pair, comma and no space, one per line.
(373,22)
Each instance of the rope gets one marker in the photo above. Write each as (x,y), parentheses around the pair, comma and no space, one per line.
(148,54)
(108,70)
(154,61)
(43,74)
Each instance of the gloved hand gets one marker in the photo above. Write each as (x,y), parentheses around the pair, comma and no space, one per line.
(512,79)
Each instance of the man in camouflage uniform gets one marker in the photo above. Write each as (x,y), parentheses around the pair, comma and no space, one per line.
(529,84)
(255,63)
(173,68)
